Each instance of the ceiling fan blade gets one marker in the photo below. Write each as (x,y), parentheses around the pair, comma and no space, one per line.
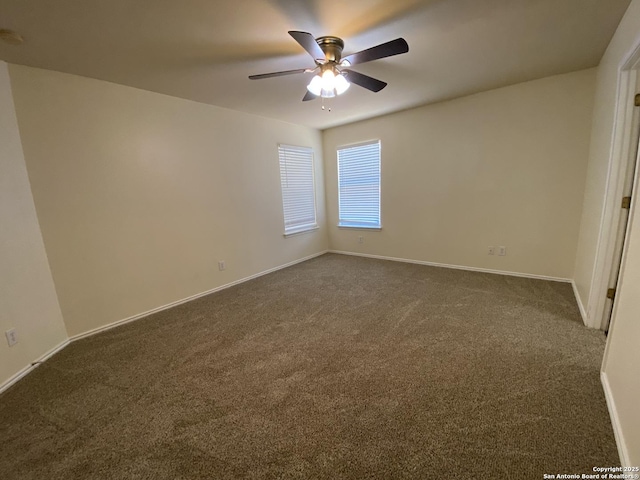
(308,42)
(309,96)
(278,74)
(365,81)
(389,49)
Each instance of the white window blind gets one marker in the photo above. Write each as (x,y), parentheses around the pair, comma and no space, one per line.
(359,185)
(298,192)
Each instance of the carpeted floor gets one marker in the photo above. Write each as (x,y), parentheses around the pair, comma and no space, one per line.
(339,367)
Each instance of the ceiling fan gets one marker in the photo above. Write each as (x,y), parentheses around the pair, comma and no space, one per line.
(333,75)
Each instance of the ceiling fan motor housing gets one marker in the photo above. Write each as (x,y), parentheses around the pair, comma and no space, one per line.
(332,47)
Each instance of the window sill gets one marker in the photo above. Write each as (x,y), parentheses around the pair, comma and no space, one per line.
(300,232)
(360,227)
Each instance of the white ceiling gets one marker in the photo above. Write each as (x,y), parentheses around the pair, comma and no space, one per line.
(204,50)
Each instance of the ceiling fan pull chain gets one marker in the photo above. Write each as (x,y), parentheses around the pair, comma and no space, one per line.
(322,100)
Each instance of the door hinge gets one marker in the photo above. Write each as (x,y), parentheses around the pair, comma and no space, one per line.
(611,293)
(626,202)
(636,101)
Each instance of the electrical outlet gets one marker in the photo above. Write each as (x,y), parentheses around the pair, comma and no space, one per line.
(492,250)
(360,239)
(12,337)
(222,265)
(502,251)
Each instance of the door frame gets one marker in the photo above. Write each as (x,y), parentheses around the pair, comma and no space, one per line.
(623,146)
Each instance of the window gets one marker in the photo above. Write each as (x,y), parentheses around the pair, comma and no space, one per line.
(359,185)
(298,192)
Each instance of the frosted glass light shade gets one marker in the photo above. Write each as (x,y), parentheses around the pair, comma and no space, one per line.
(328,85)
(328,80)
(315,86)
(341,84)
(328,93)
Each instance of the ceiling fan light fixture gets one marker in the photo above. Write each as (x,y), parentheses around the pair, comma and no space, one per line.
(328,85)
(328,93)
(341,84)
(328,79)
(315,86)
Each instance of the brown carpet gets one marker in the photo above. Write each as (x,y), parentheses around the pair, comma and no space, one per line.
(339,367)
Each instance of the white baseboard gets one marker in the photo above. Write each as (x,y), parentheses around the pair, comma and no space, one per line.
(583,312)
(26,370)
(456,267)
(189,299)
(623,452)
(22,373)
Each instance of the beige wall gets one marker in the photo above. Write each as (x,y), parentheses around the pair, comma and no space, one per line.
(140,194)
(504,167)
(28,300)
(622,356)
